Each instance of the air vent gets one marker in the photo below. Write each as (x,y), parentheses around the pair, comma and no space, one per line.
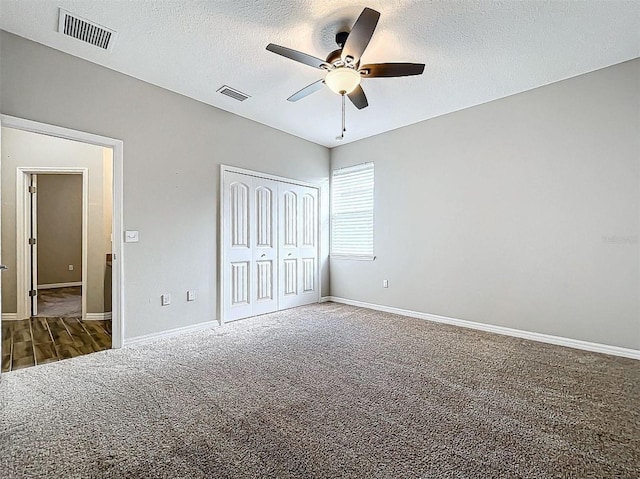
(86,31)
(235,94)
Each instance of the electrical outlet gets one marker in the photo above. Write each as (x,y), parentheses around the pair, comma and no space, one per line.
(166,299)
(191,295)
(385,283)
(70,267)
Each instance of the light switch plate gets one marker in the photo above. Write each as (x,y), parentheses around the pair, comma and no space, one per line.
(131,236)
(166,299)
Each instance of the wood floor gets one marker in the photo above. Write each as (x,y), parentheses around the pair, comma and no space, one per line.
(34,341)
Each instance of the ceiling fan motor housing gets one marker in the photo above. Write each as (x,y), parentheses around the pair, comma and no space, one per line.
(335,57)
(341,39)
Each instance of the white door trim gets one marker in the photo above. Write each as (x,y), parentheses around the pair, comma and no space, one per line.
(23,214)
(282,179)
(232,169)
(118,319)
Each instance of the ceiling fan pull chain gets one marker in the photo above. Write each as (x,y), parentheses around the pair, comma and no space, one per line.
(344,128)
(344,125)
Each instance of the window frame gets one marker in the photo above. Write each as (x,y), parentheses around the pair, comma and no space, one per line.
(369,256)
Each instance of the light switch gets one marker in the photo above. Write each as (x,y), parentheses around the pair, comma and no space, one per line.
(131,236)
(191,295)
(166,299)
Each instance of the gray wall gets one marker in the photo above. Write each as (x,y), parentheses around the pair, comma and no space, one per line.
(27,149)
(59,228)
(173,148)
(523,212)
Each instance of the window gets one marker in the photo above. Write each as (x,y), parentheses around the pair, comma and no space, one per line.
(352,212)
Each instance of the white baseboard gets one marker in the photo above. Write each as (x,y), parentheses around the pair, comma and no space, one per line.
(518,333)
(98,316)
(59,285)
(9,316)
(325,299)
(171,332)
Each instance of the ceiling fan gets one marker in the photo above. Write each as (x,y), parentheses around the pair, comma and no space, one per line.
(344,71)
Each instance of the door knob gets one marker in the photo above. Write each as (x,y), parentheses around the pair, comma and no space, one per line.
(263,255)
(289,254)
(3,267)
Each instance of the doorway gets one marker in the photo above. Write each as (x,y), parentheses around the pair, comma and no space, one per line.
(52,230)
(67,290)
(59,202)
(269,245)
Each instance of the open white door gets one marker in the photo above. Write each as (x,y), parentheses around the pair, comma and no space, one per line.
(2,269)
(33,244)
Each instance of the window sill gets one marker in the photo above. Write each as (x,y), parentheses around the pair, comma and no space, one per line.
(353,257)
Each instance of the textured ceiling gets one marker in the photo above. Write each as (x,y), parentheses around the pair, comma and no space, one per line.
(474,51)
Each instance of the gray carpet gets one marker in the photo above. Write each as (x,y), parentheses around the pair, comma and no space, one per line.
(320,392)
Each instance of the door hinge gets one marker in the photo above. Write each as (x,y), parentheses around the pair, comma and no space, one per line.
(32,189)
(33,293)
(32,241)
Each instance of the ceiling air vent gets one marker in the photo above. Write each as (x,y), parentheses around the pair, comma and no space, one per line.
(86,31)
(235,94)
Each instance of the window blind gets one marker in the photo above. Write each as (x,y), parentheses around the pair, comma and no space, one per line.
(352,212)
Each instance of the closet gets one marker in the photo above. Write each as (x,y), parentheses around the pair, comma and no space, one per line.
(269,244)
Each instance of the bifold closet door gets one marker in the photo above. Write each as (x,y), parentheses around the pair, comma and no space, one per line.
(298,251)
(250,246)
(265,246)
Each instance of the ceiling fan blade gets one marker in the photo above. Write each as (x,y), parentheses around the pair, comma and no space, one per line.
(360,35)
(378,70)
(306,91)
(297,56)
(358,98)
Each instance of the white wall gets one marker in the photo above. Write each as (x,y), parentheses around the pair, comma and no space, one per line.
(173,148)
(523,212)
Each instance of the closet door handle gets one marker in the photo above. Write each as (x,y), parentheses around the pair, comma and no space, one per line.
(263,255)
(289,254)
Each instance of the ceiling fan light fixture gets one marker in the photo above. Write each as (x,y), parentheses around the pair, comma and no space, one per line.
(342,80)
